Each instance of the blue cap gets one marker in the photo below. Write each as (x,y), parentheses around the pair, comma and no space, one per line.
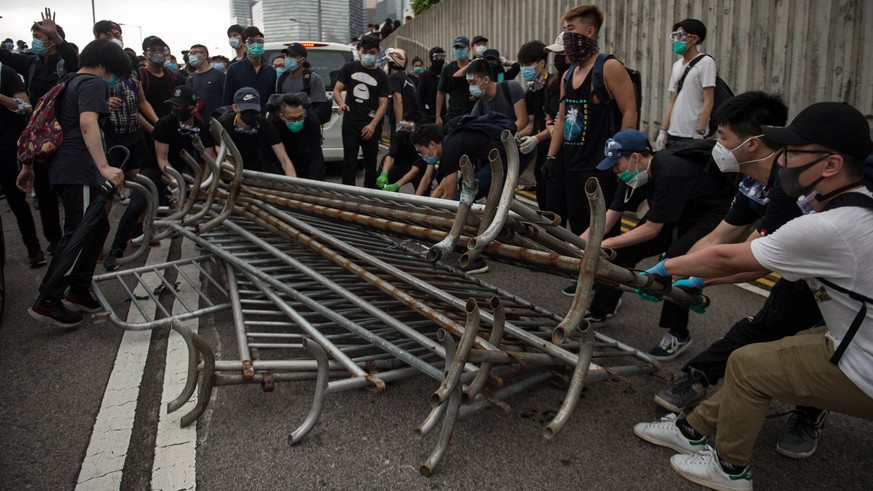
(461,41)
(247,99)
(625,142)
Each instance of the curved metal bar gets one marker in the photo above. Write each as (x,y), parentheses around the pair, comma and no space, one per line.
(436,413)
(496,336)
(237,160)
(215,169)
(469,188)
(494,191)
(477,244)
(453,375)
(191,380)
(320,390)
(181,184)
(201,171)
(450,418)
(142,186)
(207,380)
(575,318)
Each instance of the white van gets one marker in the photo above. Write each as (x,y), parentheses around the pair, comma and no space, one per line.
(326,59)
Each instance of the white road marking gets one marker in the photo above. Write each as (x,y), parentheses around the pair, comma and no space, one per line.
(752,288)
(110,437)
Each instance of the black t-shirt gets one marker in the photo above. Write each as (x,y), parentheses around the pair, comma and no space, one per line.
(300,146)
(458,90)
(72,163)
(167,131)
(681,192)
(427,91)
(364,87)
(474,144)
(158,89)
(11,124)
(779,209)
(541,102)
(403,151)
(401,82)
(255,147)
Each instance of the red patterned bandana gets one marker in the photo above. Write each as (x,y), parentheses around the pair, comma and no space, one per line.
(578,47)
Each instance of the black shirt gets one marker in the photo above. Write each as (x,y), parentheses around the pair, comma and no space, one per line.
(458,90)
(255,148)
(401,82)
(167,131)
(427,91)
(474,144)
(72,164)
(44,74)
(364,87)
(403,151)
(779,209)
(158,89)
(303,147)
(11,124)
(542,102)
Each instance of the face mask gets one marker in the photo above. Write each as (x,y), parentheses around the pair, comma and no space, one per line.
(629,174)
(118,42)
(279,71)
(172,66)
(480,49)
(578,47)
(461,53)
(256,50)
(250,118)
(418,70)
(727,161)
(112,82)
(158,59)
(218,66)
(234,43)
(528,73)
(431,159)
(183,114)
(10,46)
(638,180)
(561,64)
(680,47)
(368,60)
(38,47)
(475,91)
(295,127)
(437,66)
(194,61)
(290,64)
(789,177)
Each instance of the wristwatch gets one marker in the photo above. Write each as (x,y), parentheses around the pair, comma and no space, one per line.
(702,131)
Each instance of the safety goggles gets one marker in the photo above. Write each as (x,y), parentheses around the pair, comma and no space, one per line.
(681,36)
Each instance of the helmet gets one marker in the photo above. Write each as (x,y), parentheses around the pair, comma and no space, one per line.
(397,57)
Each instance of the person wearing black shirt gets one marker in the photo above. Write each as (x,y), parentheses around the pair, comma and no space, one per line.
(404,95)
(157,80)
(402,164)
(362,110)
(300,132)
(255,138)
(427,85)
(76,172)
(686,198)
(453,83)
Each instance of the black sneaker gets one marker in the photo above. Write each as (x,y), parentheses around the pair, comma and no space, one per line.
(56,314)
(110,261)
(82,303)
(37,258)
(670,347)
(478,266)
(800,438)
(684,393)
(50,250)
(593,318)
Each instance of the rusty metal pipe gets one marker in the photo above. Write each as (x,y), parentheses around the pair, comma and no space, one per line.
(237,160)
(449,419)
(469,187)
(453,376)
(496,336)
(494,191)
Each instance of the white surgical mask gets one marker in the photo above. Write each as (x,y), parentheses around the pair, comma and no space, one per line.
(727,161)
(480,49)
(118,42)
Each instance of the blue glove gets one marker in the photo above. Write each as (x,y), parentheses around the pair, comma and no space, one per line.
(648,298)
(658,269)
(693,285)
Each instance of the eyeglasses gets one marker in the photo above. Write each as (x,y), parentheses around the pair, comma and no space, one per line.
(682,36)
(165,50)
(293,119)
(785,152)
(196,52)
(613,148)
(255,41)
(438,56)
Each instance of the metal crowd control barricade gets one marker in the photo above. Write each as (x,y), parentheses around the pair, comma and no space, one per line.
(351,288)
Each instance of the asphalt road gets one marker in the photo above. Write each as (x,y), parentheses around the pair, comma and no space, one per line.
(53,383)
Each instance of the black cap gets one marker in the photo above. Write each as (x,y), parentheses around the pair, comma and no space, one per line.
(295,49)
(491,53)
(834,125)
(479,39)
(183,96)
(150,40)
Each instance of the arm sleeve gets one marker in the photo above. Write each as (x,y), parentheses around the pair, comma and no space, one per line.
(344,75)
(271,136)
(382,86)
(206,136)
(70,57)
(445,79)
(16,61)
(516,91)
(780,210)
(741,212)
(513,71)
(92,96)
(316,88)
(11,84)
(675,75)
(708,71)
(395,83)
(396,142)
(161,132)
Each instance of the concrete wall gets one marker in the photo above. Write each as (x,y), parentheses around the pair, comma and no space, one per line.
(807,50)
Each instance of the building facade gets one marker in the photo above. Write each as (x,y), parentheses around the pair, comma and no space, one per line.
(314,20)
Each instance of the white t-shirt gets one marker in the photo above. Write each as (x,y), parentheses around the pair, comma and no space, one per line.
(689,102)
(835,245)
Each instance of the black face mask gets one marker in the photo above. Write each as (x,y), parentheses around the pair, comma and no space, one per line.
(183,114)
(250,118)
(561,63)
(789,178)
(437,66)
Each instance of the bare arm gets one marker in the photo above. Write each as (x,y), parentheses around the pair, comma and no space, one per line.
(440,101)
(425,181)
(706,112)
(521,117)
(146,110)
(612,217)
(162,150)
(284,160)
(643,233)
(398,107)
(665,125)
(717,261)
(724,233)
(338,88)
(369,131)
(447,187)
(558,128)
(12,105)
(409,176)
(619,85)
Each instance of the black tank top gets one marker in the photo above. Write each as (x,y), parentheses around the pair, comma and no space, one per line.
(587,125)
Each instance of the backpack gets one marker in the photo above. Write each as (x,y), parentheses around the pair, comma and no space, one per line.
(43,134)
(701,151)
(601,91)
(503,88)
(723,92)
(322,110)
(491,124)
(144,78)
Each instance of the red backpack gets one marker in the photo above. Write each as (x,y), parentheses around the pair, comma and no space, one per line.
(43,134)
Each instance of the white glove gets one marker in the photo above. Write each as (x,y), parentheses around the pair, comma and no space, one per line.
(527,144)
(661,141)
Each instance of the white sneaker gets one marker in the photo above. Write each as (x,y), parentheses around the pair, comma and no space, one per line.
(703,468)
(666,434)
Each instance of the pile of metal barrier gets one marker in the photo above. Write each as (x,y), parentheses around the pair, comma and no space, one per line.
(351,288)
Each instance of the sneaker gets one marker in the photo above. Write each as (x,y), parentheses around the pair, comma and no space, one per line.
(704,468)
(593,318)
(800,437)
(478,266)
(50,250)
(82,302)
(570,290)
(665,433)
(670,347)
(110,261)
(684,393)
(37,258)
(56,314)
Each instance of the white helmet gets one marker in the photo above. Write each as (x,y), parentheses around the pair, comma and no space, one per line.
(397,57)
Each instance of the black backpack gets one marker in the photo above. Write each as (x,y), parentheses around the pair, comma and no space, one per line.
(602,93)
(491,124)
(723,92)
(322,110)
(701,151)
(503,88)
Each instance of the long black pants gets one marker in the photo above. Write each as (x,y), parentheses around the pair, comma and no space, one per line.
(138,204)
(352,141)
(17,199)
(47,197)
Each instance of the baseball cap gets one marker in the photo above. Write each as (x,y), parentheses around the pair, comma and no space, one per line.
(491,53)
(557,46)
(183,96)
(461,41)
(479,39)
(835,125)
(247,99)
(296,49)
(150,40)
(625,142)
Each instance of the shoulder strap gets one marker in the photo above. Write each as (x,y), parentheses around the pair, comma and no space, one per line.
(143,79)
(307,85)
(597,78)
(688,69)
(281,80)
(504,88)
(856,322)
(850,199)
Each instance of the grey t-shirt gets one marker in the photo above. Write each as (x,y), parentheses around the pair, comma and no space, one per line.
(293,84)
(72,163)
(209,87)
(499,103)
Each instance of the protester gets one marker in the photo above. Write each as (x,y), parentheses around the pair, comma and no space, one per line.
(417,70)
(220,63)
(237,42)
(158,80)
(506,97)
(402,164)
(454,84)
(428,83)
(255,138)
(404,95)
(206,81)
(300,77)
(479,45)
(252,71)
(300,132)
